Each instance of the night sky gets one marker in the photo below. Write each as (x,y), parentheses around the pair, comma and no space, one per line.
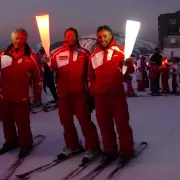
(84,15)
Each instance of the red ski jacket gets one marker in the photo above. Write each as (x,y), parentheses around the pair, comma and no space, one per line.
(105,70)
(71,66)
(19,70)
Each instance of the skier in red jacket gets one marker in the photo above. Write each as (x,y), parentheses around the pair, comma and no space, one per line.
(105,79)
(19,69)
(71,63)
(164,68)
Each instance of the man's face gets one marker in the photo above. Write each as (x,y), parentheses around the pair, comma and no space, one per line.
(19,39)
(70,37)
(104,38)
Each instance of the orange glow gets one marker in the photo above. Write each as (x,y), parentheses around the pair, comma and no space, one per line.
(164,61)
(43,26)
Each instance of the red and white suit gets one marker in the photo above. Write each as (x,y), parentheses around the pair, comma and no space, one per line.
(105,79)
(71,66)
(18,71)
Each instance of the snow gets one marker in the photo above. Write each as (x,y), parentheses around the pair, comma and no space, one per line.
(153,119)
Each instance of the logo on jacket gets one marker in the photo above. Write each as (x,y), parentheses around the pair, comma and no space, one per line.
(63,57)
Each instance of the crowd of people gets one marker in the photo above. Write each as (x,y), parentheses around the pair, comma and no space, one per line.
(156,73)
(84,82)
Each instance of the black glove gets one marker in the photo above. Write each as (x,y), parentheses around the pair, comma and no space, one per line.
(127,62)
(91,103)
(127,77)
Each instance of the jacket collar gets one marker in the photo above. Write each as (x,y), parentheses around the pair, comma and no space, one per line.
(70,48)
(112,43)
(26,51)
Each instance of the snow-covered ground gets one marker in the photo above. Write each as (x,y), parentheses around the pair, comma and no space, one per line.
(153,119)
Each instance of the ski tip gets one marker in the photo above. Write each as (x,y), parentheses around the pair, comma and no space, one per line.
(144,143)
(56,160)
(19,177)
(40,135)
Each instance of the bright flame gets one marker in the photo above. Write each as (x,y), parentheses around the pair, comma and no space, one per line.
(43,26)
(132,29)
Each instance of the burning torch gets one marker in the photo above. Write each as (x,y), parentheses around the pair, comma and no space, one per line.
(44,31)
(132,29)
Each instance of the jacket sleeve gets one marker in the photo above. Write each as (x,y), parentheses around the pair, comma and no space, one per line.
(0,62)
(53,64)
(91,76)
(128,62)
(0,67)
(36,81)
(1,53)
(131,66)
(86,64)
(37,60)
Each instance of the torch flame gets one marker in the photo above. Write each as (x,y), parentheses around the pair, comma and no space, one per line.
(132,29)
(43,26)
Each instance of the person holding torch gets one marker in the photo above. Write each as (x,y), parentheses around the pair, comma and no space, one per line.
(105,79)
(70,61)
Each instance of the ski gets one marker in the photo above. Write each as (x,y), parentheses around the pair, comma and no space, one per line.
(79,169)
(93,174)
(147,95)
(36,110)
(43,109)
(49,109)
(141,147)
(38,139)
(45,167)
(98,169)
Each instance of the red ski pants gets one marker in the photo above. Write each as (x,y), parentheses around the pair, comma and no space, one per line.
(130,89)
(174,83)
(0,109)
(140,85)
(78,106)
(16,114)
(109,108)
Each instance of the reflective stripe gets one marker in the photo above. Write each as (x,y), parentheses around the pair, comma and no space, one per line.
(109,55)
(20,60)
(75,55)
(6,61)
(98,55)
(97,59)
(65,61)
(117,49)
(39,73)
(62,62)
